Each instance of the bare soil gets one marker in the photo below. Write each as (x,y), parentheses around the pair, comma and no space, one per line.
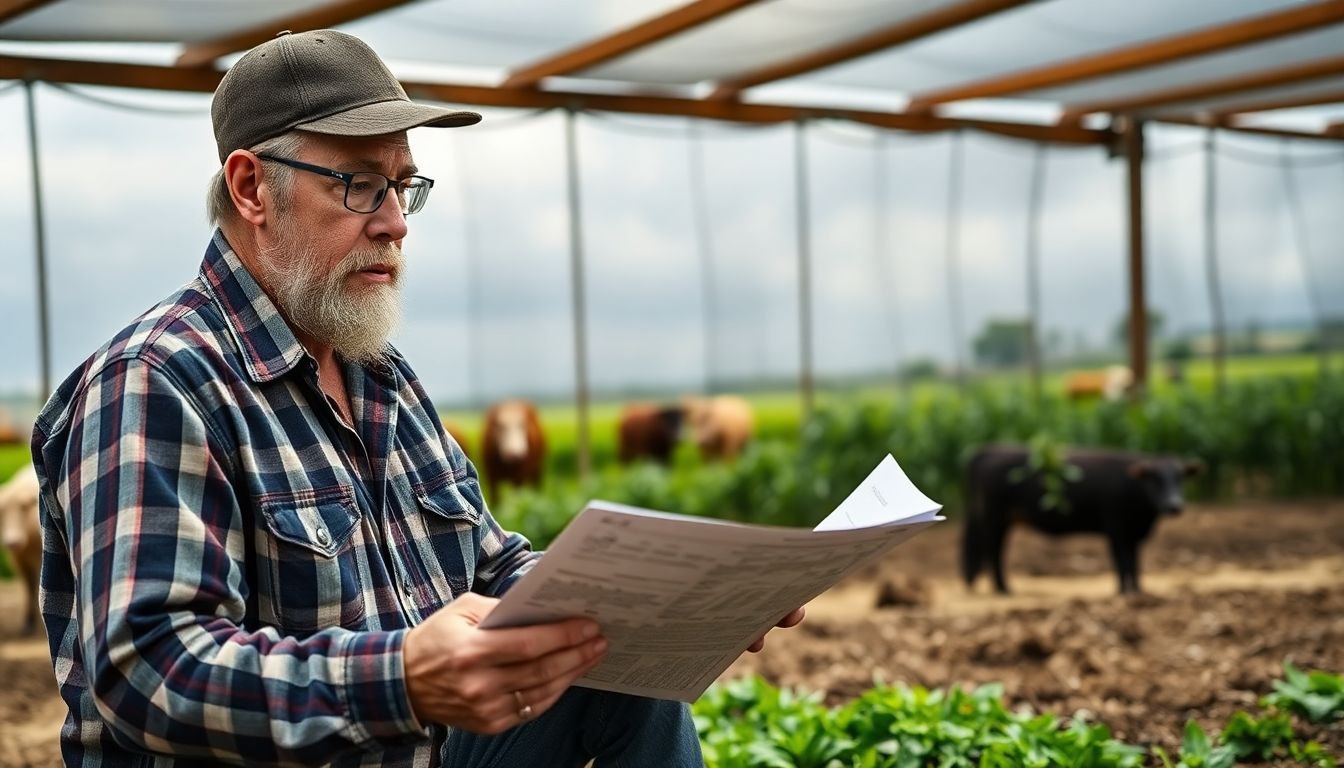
(1231,591)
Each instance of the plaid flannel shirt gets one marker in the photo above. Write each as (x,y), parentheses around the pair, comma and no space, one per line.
(229,569)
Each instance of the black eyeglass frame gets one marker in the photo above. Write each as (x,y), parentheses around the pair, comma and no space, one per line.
(345,177)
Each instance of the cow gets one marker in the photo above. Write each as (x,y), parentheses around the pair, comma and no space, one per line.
(721,425)
(1110,383)
(22,536)
(9,434)
(513,448)
(648,431)
(1120,495)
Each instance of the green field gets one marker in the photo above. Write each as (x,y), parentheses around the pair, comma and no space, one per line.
(778,413)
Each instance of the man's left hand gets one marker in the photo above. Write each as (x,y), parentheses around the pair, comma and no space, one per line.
(793,619)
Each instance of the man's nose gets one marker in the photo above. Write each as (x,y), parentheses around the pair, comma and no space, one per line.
(387,223)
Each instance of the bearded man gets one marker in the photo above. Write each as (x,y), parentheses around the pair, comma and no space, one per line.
(260,544)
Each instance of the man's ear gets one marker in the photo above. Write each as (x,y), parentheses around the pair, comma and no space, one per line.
(1138,468)
(242,173)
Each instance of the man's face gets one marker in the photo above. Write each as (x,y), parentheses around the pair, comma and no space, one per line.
(336,274)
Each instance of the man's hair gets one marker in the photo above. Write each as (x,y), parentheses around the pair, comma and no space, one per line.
(219,204)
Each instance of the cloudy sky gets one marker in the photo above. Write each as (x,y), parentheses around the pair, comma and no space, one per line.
(488,294)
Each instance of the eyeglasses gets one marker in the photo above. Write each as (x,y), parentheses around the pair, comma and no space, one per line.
(365,190)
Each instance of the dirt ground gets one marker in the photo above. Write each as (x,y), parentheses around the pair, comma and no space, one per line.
(1230,592)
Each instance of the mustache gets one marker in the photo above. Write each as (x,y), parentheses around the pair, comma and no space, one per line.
(384,253)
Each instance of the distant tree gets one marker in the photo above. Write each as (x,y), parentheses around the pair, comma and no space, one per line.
(919,369)
(1179,350)
(1002,343)
(1156,322)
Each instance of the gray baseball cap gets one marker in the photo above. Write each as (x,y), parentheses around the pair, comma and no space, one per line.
(322,81)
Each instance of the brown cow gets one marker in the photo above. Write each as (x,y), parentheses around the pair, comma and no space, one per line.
(721,425)
(513,448)
(21,534)
(648,431)
(9,434)
(1111,383)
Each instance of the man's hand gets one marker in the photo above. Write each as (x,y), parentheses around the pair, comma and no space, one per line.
(793,619)
(490,680)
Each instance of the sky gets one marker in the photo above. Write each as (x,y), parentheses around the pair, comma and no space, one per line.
(488,293)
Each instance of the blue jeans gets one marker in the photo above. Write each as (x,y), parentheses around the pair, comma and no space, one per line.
(612,729)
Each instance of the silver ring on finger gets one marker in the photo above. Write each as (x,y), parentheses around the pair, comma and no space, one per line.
(524,710)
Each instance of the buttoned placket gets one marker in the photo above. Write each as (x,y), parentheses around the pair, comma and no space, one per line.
(367,394)
(362,469)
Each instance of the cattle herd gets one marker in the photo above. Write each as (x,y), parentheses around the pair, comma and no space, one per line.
(1116,494)
(513,443)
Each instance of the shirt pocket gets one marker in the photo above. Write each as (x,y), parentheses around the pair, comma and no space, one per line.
(451,528)
(313,568)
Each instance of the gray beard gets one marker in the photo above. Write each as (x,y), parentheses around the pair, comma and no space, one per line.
(355,323)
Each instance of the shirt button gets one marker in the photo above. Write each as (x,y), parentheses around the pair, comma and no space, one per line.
(409,586)
(323,537)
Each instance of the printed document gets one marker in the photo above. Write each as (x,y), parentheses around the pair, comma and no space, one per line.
(680,598)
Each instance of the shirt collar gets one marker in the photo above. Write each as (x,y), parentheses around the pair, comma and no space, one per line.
(269,346)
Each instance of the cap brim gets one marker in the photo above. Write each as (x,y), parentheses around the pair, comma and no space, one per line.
(389,117)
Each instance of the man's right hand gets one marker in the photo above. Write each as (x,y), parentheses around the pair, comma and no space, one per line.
(466,677)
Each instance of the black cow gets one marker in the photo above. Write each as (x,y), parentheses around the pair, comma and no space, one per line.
(1118,494)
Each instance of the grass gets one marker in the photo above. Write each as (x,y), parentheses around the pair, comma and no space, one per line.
(11,458)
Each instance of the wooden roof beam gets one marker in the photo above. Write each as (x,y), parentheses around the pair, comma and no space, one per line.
(1165,51)
(110,74)
(204,53)
(1287,102)
(1243,83)
(1281,133)
(953,15)
(205,80)
(13,9)
(624,41)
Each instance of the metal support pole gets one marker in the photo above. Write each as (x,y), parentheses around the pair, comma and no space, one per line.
(705,241)
(1035,200)
(1138,304)
(1211,261)
(576,292)
(40,241)
(805,381)
(953,243)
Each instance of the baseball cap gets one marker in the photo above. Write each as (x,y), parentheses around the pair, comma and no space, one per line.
(322,81)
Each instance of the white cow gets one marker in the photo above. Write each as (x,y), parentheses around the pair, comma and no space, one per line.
(22,536)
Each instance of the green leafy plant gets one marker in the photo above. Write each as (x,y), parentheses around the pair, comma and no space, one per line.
(1261,738)
(1316,696)
(1046,460)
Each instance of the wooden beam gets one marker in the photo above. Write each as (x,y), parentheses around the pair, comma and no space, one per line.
(1242,83)
(954,15)
(13,9)
(743,113)
(204,53)
(105,73)
(619,43)
(1286,102)
(1279,133)
(1147,54)
(205,80)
